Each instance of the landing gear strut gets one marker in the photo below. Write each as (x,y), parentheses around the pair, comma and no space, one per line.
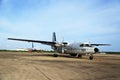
(79,56)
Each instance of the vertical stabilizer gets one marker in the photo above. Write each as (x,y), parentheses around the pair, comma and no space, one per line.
(54,37)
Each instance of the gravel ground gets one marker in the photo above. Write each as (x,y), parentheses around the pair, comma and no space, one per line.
(42,66)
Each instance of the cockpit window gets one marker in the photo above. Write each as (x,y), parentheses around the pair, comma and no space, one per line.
(81,45)
(84,45)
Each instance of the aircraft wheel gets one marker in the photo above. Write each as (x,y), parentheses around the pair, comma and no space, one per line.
(55,55)
(91,57)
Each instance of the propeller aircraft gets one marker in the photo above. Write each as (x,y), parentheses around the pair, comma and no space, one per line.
(74,49)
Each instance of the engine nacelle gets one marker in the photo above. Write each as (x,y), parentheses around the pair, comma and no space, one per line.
(96,50)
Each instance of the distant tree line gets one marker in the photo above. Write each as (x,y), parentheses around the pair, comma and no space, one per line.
(4,50)
(113,52)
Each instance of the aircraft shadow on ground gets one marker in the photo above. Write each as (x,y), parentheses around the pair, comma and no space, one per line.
(51,55)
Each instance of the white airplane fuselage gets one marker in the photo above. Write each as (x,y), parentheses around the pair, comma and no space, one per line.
(75,48)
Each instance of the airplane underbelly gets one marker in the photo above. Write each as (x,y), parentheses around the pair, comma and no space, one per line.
(81,51)
(72,51)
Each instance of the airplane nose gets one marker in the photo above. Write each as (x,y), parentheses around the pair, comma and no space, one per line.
(96,50)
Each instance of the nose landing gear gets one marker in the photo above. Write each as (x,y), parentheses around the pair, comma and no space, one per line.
(90,57)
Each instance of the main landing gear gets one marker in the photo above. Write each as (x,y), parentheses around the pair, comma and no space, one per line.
(80,56)
(55,55)
(76,55)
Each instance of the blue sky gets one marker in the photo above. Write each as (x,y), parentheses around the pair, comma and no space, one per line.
(97,21)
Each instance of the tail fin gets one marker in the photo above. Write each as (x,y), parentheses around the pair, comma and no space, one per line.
(54,41)
(54,37)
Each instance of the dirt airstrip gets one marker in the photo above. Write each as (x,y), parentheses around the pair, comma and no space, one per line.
(42,66)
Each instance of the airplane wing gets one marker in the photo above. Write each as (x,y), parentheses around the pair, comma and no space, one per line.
(36,41)
(100,44)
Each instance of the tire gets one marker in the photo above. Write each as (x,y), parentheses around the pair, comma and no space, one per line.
(90,57)
(55,55)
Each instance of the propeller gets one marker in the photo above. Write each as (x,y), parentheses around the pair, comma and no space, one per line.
(63,44)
